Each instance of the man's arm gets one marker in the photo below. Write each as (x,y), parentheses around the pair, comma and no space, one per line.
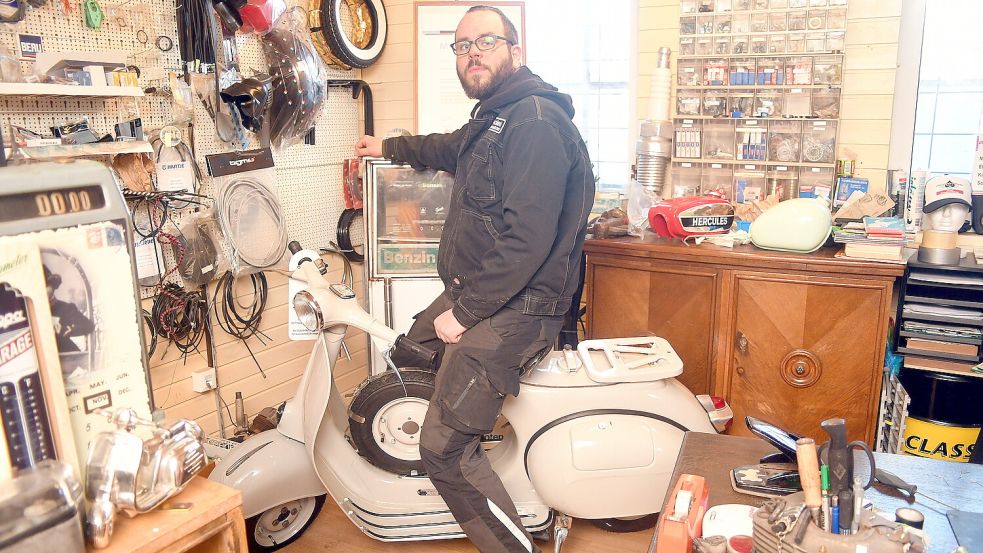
(435,151)
(536,167)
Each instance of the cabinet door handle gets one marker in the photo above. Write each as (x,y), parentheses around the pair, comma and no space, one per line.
(740,371)
(742,342)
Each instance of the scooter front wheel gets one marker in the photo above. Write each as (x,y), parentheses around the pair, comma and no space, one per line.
(280,526)
(632,524)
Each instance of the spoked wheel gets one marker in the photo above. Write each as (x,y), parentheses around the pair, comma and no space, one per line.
(362,44)
(386,421)
(283,524)
(627,524)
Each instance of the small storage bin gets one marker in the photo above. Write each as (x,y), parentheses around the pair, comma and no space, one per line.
(795,43)
(685,179)
(768,103)
(740,103)
(749,183)
(718,177)
(723,23)
(827,70)
(687,46)
(704,46)
(797,20)
(777,22)
(797,103)
(835,41)
(715,72)
(704,25)
(741,23)
(688,6)
(826,103)
(815,182)
(818,141)
(721,46)
(688,102)
(798,3)
(718,140)
(816,20)
(752,140)
(687,25)
(784,141)
(740,44)
(771,71)
(715,103)
(741,72)
(778,4)
(688,141)
(689,73)
(798,70)
(836,19)
(782,182)
(759,22)
(759,44)
(815,42)
(776,44)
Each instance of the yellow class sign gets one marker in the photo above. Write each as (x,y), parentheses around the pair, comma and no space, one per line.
(939,441)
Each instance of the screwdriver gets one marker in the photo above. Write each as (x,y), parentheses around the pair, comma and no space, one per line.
(893,480)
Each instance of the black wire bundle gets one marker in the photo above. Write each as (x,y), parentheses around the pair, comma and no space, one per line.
(195,32)
(179,316)
(148,320)
(242,320)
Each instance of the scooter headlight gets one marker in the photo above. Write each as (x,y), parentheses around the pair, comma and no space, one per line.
(308,311)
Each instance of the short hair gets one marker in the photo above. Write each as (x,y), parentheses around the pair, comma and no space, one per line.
(511,34)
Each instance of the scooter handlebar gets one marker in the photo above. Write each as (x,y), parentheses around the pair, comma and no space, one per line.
(421,352)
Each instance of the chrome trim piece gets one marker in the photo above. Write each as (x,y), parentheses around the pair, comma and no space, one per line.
(238,462)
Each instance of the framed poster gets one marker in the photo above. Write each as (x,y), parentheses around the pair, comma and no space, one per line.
(441,105)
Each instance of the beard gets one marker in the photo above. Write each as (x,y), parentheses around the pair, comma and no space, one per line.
(477,90)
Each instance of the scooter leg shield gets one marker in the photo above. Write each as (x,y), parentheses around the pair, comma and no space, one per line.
(269,469)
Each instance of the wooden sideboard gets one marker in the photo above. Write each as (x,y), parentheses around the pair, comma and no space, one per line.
(790,338)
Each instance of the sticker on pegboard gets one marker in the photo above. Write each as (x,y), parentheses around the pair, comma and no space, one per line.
(30,46)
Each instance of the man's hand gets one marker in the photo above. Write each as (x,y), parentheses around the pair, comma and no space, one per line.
(368,146)
(447,327)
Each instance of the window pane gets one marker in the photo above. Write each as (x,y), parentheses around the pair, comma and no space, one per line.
(952,153)
(958,113)
(950,88)
(584,50)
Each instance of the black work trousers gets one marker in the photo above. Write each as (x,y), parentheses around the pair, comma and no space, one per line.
(474,377)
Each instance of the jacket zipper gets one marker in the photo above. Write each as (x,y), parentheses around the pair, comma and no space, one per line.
(464,393)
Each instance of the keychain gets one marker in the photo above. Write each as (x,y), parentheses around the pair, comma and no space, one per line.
(93,14)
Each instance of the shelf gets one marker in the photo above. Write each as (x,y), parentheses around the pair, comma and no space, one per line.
(914,364)
(916,298)
(762,10)
(941,319)
(81,150)
(754,87)
(761,33)
(940,355)
(684,118)
(750,162)
(953,339)
(764,55)
(48,90)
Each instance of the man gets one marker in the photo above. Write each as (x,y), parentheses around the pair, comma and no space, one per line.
(510,256)
(68,321)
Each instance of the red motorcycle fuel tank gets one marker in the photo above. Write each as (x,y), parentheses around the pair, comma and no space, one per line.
(691,216)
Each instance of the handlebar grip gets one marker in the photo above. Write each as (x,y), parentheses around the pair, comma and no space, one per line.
(294,246)
(421,352)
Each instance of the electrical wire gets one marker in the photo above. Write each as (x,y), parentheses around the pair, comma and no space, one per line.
(242,203)
(241,320)
(148,320)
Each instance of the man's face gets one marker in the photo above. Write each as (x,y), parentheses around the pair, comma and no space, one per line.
(482,72)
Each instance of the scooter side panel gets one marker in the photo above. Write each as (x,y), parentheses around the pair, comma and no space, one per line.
(269,469)
(622,462)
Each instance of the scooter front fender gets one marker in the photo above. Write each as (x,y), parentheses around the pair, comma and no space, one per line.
(269,469)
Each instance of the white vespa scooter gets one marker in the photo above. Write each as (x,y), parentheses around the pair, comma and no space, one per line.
(593,434)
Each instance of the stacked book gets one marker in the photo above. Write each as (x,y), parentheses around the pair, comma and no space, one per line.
(876,238)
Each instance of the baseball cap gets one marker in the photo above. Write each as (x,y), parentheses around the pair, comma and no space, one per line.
(944,190)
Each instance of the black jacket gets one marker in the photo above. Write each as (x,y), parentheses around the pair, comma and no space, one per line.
(523,189)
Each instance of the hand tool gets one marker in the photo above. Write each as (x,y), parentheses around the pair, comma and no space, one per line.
(808,461)
(839,457)
(893,480)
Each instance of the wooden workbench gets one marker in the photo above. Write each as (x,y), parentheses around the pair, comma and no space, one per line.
(204,518)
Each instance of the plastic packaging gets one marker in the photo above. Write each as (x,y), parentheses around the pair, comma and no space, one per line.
(640,199)
(299,79)
(9,67)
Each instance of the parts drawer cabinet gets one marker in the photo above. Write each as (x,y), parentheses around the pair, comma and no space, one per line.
(791,338)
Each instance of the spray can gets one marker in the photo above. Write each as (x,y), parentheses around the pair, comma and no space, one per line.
(916,200)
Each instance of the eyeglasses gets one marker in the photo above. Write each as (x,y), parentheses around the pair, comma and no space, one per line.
(484,43)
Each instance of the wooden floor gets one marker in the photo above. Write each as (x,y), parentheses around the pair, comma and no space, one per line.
(333,532)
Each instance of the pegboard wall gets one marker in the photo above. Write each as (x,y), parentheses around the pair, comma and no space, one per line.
(308,176)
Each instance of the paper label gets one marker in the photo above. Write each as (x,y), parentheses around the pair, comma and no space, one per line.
(148,258)
(175,176)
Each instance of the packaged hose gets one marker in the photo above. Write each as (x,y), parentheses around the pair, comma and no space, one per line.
(248,209)
(199,237)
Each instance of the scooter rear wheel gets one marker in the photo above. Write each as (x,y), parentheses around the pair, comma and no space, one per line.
(623,525)
(281,525)
(386,422)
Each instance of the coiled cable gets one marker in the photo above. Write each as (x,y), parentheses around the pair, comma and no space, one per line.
(239,319)
(252,220)
(343,232)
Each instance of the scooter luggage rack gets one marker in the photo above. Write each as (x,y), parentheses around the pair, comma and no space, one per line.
(640,359)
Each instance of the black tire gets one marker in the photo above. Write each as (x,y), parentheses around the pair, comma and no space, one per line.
(342,46)
(255,547)
(624,525)
(373,395)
